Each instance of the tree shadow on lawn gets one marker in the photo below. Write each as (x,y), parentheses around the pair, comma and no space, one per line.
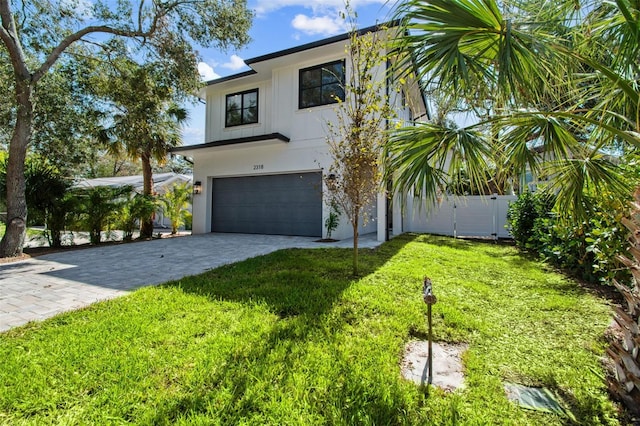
(462,243)
(527,262)
(290,282)
(302,288)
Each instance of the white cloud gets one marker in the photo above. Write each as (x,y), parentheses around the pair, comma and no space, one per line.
(206,71)
(325,15)
(235,63)
(323,25)
(262,7)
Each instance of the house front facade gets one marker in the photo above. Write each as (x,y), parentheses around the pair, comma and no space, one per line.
(262,167)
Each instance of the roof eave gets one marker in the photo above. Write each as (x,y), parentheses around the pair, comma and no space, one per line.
(234,141)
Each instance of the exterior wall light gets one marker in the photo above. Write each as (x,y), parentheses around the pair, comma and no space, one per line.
(197,187)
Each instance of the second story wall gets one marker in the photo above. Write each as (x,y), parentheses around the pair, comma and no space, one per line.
(303,125)
(276,78)
(216,98)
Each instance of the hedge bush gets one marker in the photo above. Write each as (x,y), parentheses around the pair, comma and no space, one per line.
(585,248)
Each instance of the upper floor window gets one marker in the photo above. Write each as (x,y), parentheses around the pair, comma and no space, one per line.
(321,85)
(242,108)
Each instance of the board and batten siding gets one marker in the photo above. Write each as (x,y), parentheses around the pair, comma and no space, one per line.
(216,107)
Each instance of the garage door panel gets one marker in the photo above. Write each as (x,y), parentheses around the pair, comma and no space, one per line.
(276,204)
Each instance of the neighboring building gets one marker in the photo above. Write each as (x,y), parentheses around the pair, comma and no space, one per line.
(261,169)
(161,183)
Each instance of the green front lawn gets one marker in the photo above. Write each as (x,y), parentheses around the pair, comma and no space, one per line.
(290,338)
(30,231)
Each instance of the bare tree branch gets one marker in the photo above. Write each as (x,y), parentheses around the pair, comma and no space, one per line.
(72,38)
(9,36)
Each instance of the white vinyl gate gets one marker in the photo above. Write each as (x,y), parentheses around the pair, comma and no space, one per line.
(467,216)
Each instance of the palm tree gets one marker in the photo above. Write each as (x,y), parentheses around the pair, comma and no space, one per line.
(560,79)
(146,125)
(175,202)
(626,354)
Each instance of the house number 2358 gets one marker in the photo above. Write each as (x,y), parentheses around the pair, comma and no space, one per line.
(258,167)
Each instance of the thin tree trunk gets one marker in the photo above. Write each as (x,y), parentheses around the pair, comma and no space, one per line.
(146,226)
(13,239)
(355,243)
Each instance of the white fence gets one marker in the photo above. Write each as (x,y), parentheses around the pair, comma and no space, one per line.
(468,216)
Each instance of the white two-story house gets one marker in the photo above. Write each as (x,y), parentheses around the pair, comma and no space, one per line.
(261,168)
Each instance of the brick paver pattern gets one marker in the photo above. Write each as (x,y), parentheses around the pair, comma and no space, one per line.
(41,287)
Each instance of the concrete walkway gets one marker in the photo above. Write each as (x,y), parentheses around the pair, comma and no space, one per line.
(41,287)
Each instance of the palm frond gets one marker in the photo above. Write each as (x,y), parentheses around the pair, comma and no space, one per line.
(573,178)
(458,43)
(552,136)
(423,158)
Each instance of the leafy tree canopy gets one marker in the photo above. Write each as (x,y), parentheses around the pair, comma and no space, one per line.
(39,35)
(554,89)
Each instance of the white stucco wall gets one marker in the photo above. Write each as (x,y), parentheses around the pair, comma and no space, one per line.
(277,82)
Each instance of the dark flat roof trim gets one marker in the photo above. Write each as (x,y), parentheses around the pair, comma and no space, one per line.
(234,141)
(302,48)
(320,43)
(231,77)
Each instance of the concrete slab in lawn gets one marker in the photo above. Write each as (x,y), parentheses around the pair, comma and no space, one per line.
(448,372)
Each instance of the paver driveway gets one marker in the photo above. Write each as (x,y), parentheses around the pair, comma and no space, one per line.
(44,286)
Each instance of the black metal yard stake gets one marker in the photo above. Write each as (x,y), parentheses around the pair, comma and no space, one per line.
(429,299)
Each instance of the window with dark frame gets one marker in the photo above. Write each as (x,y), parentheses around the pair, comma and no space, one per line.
(241,108)
(321,84)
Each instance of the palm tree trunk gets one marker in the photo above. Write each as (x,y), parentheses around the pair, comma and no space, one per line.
(146,225)
(13,239)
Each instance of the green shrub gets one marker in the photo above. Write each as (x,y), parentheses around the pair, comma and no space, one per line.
(528,217)
(175,203)
(59,217)
(132,211)
(98,208)
(47,195)
(333,220)
(587,249)
(188,221)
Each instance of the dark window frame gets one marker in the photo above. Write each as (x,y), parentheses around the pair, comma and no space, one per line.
(323,100)
(242,108)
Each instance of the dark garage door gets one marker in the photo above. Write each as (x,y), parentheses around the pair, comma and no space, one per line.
(276,204)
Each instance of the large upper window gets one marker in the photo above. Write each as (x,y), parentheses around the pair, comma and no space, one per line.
(242,108)
(321,85)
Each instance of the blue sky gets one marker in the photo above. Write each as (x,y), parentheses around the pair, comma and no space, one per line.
(280,24)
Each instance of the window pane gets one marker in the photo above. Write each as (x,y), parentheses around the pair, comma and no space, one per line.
(311,78)
(241,108)
(250,115)
(329,75)
(330,92)
(310,97)
(250,99)
(333,73)
(233,118)
(234,102)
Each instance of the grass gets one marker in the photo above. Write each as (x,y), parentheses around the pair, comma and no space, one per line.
(291,338)
(31,232)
